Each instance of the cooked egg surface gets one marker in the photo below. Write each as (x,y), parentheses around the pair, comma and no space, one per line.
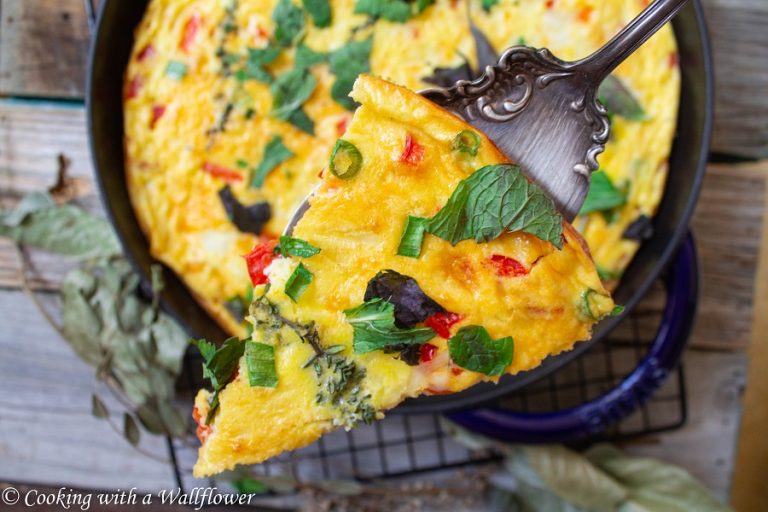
(409,166)
(207,90)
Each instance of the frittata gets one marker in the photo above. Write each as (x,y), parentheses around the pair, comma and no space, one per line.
(232,105)
(425,263)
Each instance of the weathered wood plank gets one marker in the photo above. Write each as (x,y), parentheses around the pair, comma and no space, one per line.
(47,433)
(43,48)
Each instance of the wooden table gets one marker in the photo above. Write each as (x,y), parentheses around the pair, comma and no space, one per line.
(47,434)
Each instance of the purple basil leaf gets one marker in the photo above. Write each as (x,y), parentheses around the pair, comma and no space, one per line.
(412,305)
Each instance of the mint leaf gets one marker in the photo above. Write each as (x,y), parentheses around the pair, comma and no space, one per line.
(473,349)
(374,328)
(219,365)
(176,70)
(305,57)
(618,99)
(602,195)
(347,63)
(412,237)
(495,199)
(290,246)
(254,64)
(487,4)
(275,153)
(302,121)
(392,10)
(260,361)
(289,21)
(298,282)
(320,11)
(289,92)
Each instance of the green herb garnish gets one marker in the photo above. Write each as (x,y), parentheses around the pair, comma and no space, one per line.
(305,57)
(495,199)
(413,236)
(320,11)
(374,328)
(473,349)
(487,4)
(275,153)
(391,10)
(602,195)
(219,366)
(290,246)
(260,362)
(289,21)
(467,142)
(289,92)
(586,306)
(346,160)
(298,282)
(176,70)
(254,64)
(347,63)
(618,99)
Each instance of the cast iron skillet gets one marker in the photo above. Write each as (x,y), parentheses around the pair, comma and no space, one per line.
(110,52)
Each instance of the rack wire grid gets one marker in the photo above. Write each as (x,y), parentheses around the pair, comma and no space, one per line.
(408,444)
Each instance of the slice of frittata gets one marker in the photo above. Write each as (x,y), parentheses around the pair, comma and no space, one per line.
(426,264)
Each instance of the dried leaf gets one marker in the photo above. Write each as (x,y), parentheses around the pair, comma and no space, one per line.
(98,409)
(343,487)
(131,430)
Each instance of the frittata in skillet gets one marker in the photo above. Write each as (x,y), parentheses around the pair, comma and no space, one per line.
(231,105)
(425,263)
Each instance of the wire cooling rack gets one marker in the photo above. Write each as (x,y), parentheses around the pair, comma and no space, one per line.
(408,444)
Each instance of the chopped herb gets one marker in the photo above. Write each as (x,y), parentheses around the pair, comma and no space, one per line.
(346,160)
(241,164)
(617,310)
(289,22)
(305,57)
(219,366)
(347,63)
(275,153)
(176,70)
(320,11)
(472,348)
(254,64)
(467,141)
(247,219)
(391,10)
(260,362)
(495,199)
(640,230)
(412,237)
(289,92)
(290,246)
(487,4)
(411,304)
(373,323)
(602,195)
(301,120)
(619,100)
(298,282)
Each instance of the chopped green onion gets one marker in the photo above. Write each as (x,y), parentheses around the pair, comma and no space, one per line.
(290,246)
(467,142)
(298,282)
(260,361)
(412,237)
(346,160)
(176,70)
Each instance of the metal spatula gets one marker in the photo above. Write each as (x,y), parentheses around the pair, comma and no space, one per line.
(543,112)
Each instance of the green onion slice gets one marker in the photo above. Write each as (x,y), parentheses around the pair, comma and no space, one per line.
(467,142)
(346,160)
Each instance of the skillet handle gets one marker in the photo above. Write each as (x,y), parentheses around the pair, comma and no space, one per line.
(596,416)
